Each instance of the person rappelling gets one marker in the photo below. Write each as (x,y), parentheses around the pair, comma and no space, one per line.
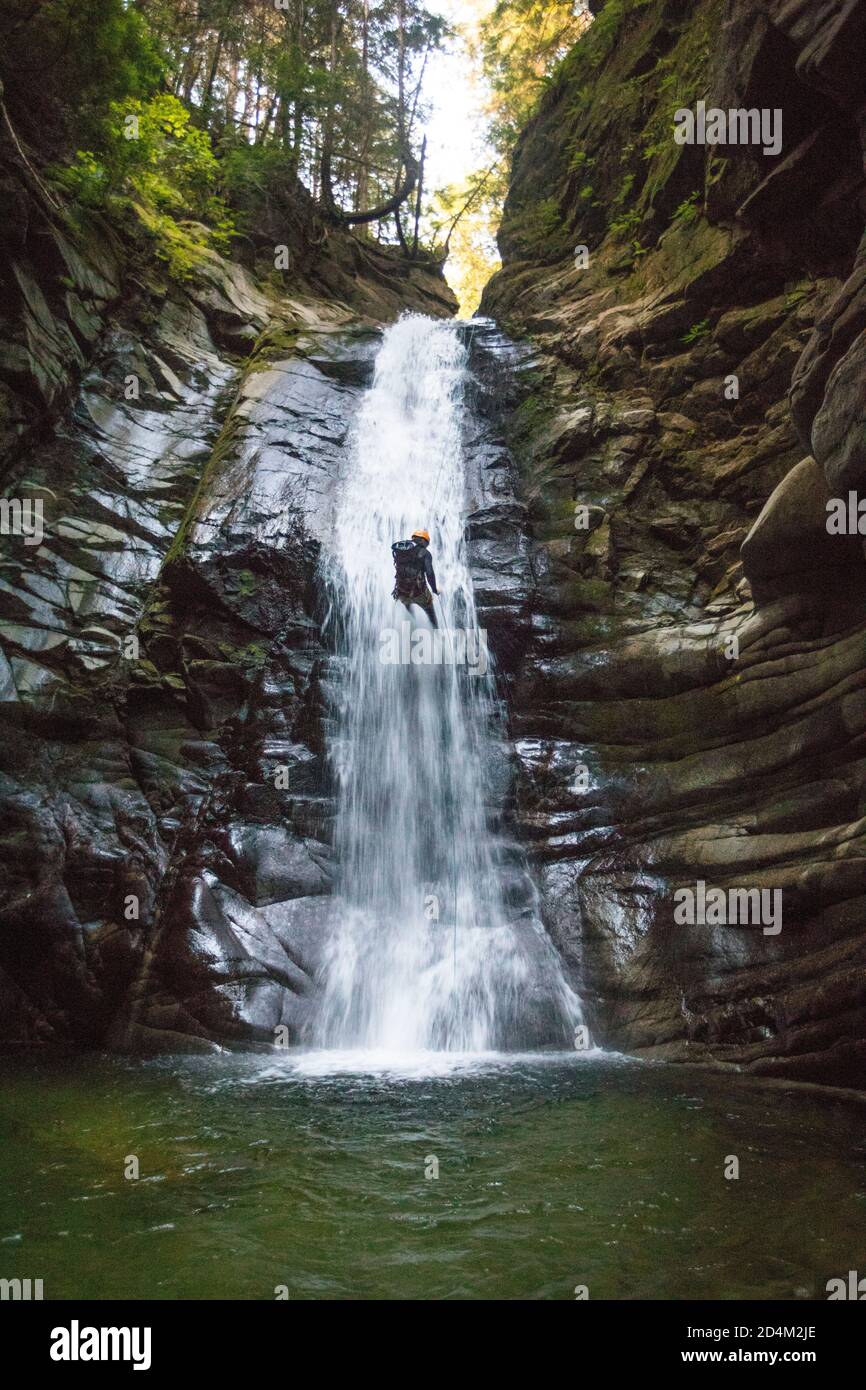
(416,578)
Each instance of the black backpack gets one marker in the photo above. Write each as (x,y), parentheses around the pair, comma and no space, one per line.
(408,560)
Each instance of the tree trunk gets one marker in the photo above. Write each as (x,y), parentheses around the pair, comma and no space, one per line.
(232,89)
(362,191)
(297,138)
(191,70)
(264,128)
(316,165)
(419,195)
(330,118)
(285,122)
(401,73)
(248,112)
(212,72)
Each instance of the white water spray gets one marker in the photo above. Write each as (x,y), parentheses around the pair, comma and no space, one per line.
(425,953)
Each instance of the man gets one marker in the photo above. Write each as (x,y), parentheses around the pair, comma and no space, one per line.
(414,565)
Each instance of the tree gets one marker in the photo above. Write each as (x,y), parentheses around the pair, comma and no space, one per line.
(518,45)
(330,92)
(62,62)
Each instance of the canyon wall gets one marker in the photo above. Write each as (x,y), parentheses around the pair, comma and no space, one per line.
(690,703)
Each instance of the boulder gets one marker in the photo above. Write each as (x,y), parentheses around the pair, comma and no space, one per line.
(839,428)
(790,536)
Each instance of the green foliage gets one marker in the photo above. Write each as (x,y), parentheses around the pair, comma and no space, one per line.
(520,43)
(579,160)
(462,223)
(63,61)
(155,160)
(182,245)
(624,191)
(696,333)
(680,79)
(688,210)
(335,87)
(600,39)
(251,176)
(605,30)
(171,162)
(538,228)
(626,223)
(86,179)
(246,583)
(796,294)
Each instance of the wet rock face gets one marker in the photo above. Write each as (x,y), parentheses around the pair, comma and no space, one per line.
(497,521)
(164,803)
(690,706)
(236,629)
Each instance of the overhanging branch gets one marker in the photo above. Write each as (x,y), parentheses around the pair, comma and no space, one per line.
(387,209)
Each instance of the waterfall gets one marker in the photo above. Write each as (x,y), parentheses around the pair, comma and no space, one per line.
(426,952)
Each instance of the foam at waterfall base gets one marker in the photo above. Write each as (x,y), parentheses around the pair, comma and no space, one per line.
(417,1065)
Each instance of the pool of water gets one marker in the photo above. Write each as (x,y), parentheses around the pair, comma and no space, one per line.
(316,1173)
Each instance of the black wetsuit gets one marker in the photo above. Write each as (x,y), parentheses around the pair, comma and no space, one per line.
(415,571)
(428,569)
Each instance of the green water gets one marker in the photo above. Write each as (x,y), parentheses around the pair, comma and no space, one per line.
(257,1172)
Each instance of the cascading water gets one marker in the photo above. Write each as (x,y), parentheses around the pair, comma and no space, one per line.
(425,954)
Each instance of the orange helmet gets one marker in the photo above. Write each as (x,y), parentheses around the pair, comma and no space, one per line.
(421,536)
